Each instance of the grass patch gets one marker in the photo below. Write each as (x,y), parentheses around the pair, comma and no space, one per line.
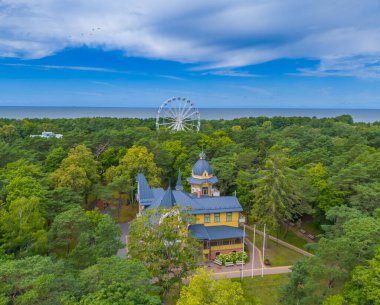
(291,238)
(264,289)
(277,254)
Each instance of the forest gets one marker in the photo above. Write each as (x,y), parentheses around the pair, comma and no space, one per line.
(56,248)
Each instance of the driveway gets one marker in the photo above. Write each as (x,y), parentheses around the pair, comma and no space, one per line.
(124,231)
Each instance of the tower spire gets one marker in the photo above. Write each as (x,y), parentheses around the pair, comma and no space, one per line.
(179,186)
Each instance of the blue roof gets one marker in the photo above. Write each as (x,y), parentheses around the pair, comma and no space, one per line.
(199,231)
(214,233)
(144,191)
(217,205)
(201,166)
(167,200)
(179,186)
(193,180)
(201,205)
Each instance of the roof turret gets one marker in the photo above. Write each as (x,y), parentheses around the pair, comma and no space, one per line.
(202,165)
(179,186)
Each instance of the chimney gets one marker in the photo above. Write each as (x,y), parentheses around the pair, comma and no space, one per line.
(199,194)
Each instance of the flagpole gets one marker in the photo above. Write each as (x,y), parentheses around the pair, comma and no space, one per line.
(242,266)
(262,264)
(253,248)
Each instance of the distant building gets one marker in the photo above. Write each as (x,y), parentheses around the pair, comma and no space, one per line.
(217,217)
(47,134)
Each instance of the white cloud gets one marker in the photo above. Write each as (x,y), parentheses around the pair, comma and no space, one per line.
(56,67)
(213,34)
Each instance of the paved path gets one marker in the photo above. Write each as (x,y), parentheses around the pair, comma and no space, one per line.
(248,271)
(124,231)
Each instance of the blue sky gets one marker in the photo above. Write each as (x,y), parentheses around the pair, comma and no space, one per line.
(272,53)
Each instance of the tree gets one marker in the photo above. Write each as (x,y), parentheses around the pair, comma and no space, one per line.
(226,171)
(204,289)
(33,280)
(349,242)
(22,227)
(118,293)
(161,240)
(364,289)
(277,194)
(81,237)
(54,158)
(117,280)
(136,160)
(367,197)
(244,186)
(24,187)
(8,133)
(77,171)
(59,200)
(66,230)
(326,196)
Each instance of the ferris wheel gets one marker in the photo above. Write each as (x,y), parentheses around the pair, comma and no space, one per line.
(178,113)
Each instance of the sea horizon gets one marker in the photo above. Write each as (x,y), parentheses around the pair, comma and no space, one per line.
(366,115)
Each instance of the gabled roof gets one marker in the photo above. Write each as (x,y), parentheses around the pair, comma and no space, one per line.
(214,233)
(144,191)
(168,200)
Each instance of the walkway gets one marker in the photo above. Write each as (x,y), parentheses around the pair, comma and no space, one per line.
(248,272)
(235,271)
(124,231)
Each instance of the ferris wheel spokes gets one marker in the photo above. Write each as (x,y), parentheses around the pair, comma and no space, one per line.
(178,113)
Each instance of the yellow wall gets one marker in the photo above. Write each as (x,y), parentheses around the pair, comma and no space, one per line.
(226,247)
(234,223)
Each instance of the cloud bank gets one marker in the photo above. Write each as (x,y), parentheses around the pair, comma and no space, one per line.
(215,34)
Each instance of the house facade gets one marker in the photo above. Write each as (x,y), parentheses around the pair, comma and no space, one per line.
(216,217)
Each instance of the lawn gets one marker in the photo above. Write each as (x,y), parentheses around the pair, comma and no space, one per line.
(291,238)
(277,254)
(264,289)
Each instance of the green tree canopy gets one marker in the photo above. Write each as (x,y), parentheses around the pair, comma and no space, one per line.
(137,160)
(204,289)
(22,227)
(77,171)
(161,240)
(277,193)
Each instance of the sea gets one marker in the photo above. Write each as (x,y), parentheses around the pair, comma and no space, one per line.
(20,112)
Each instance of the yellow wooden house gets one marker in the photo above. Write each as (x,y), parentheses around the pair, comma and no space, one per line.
(216,217)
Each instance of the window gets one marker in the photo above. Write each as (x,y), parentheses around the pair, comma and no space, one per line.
(207,218)
(217,217)
(226,242)
(229,216)
(205,191)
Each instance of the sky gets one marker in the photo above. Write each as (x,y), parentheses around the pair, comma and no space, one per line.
(217,53)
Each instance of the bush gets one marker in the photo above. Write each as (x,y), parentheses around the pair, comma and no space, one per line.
(233,257)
